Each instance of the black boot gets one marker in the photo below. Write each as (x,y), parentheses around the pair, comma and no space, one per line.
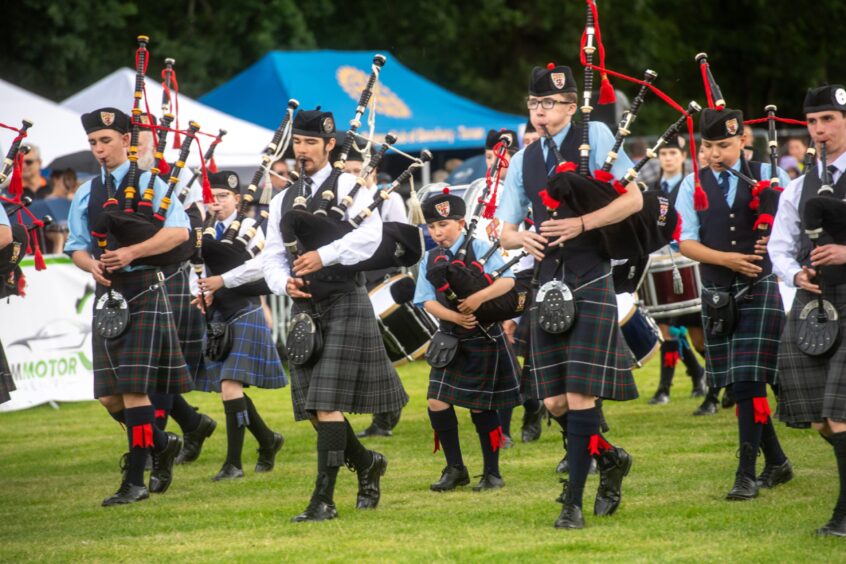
(451,478)
(379,427)
(331,443)
(369,491)
(571,514)
(532,422)
(774,475)
(669,359)
(709,404)
(694,370)
(319,509)
(614,464)
(162,473)
(267,453)
(192,443)
(745,487)
(728,398)
(127,493)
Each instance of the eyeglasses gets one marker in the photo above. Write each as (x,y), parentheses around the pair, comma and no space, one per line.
(31,161)
(222,196)
(545,103)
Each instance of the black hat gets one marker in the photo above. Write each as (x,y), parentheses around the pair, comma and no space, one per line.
(314,123)
(551,80)
(105,118)
(443,206)
(494,136)
(716,125)
(225,179)
(677,142)
(828,97)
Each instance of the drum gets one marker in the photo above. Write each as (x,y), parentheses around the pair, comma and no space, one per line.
(406,330)
(658,292)
(639,329)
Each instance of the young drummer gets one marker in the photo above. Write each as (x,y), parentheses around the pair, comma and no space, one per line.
(483,376)
(253,360)
(732,258)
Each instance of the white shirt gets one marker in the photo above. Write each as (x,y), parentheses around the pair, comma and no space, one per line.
(393,209)
(250,271)
(787,229)
(352,248)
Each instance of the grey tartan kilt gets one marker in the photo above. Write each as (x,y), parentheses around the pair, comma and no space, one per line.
(190,324)
(812,389)
(7,384)
(253,360)
(353,373)
(147,358)
(750,354)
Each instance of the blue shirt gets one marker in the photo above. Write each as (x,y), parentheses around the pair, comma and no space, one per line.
(4,219)
(424,291)
(79,238)
(684,202)
(670,182)
(514,203)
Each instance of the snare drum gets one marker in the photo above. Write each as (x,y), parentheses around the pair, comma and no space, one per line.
(406,330)
(639,329)
(658,293)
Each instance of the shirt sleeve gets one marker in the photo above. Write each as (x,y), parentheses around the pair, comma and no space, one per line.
(602,141)
(423,289)
(252,269)
(175,216)
(394,209)
(79,236)
(783,246)
(4,219)
(275,262)
(684,206)
(513,204)
(360,243)
(495,262)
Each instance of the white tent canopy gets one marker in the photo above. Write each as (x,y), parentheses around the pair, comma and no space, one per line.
(54,128)
(241,147)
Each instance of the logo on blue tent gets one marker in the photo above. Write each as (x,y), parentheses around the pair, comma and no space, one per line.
(353,81)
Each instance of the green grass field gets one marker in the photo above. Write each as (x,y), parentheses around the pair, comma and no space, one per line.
(57,465)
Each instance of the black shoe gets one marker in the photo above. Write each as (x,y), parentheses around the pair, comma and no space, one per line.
(192,443)
(836,527)
(267,454)
(614,464)
(728,399)
(321,507)
(744,489)
(374,431)
(532,425)
(368,482)
(563,467)
(228,472)
(707,408)
(700,389)
(451,478)
(774,475)
(661,397)
(571,514)
(489,482)
(506,441)
(162,473)
(127,493)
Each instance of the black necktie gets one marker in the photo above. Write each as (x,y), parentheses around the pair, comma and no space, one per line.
(665,186)
(724,184)
(309,183)
(831,171)
(551,163)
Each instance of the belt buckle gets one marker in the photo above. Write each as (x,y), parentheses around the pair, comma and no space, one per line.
(160,275)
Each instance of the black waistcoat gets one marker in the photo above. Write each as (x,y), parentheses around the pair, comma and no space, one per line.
(832,275)
(581,254)
(97,197)
(728,229)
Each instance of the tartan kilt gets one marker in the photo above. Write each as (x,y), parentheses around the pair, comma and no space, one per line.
(592,358)
(190,324)
(750,354)
(253,360)
(7,384)
(521,338)
(147,358)
(812,388)
(483,375)
(353,373)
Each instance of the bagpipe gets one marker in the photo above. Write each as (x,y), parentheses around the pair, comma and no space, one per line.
(208,158)
(457,280)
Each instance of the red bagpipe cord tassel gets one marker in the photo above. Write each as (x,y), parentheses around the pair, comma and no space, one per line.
(164,168)
(496,438)
(16,183)
(160,414)
(763,219)
(142,435)
(761,408)
(35,246)
(606,91)
(548,201)
(212,165)
(597,445)
(700,198)
(22,286)
(677,231)
(567,166)
(671,359)
(437,443)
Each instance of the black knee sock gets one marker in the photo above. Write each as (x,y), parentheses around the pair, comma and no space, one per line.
(237,420)
(185,416)
(256,424)
(505,420)
(582,424)
(562,421)
(531,406)
(490,438)
(749,434)
(119,416)
(359,457)
(669,359)
(445,425)
(713,395)
(838,441)
(139,431)
(773,455)
(331,444)
(162,404)
(691,363)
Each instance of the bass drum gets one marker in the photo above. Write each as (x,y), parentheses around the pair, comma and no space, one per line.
(658,290)
(406,330)
(640,331)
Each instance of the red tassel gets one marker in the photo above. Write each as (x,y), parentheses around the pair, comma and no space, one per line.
(39,259)
(603,176)
(597,445)
(606,91)
(700,198)
(754,203)
(437,443)
(671,359)
(16,183)
(212,165)
(759,187)
(761,408)
(708,95)
(618,186)
(567,166)
(208,197)
(678,229)
(160,414)
(497,439)
(22,286)
(142,435)
(548,201)
(164,168)
(764,219)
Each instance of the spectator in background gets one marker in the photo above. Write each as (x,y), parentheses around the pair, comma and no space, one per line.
(530,134)
(747,140)
(34,185)
(790,165)
(651,171)
(63,184)
(279,180)
(796,147)
(452,164)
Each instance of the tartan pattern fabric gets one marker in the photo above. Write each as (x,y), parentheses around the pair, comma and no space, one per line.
(521,338)
(483,375)
(353,373)
(253,360)
(592,358)
(750,354)
(812,388)
(147,358)
(7,384)
(190,324)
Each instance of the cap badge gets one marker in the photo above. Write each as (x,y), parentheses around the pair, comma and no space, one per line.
(442,208)
(108,118)
(559,79)
(232,180)
(328,125)
(840,96)
(731,126)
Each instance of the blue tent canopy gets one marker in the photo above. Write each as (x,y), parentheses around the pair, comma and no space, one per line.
(420,113)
